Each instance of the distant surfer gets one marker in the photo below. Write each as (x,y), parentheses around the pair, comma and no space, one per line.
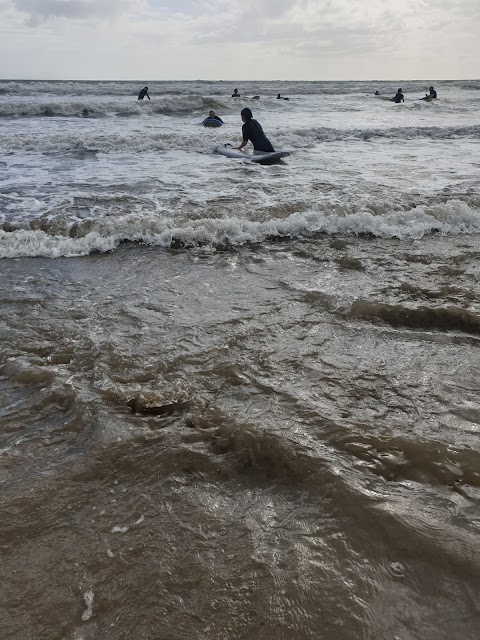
(252,130)
(398,97)
(279,97)
(377,92)
(213,116)
(143,93)
(432,95)
(235,94)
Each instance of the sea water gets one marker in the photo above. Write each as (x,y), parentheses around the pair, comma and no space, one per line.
(266,378)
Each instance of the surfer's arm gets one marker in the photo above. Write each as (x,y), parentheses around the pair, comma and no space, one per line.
(244,142)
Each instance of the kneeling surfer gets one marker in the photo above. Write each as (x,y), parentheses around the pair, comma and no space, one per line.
(252,130)
(143,93)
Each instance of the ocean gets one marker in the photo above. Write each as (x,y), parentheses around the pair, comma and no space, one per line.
(239,401)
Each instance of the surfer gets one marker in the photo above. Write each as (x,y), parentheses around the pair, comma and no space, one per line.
(430,96)
(252,130)
(235,94)
(279,97)
(377,92)
(398,97)
(212,116)
(143,93)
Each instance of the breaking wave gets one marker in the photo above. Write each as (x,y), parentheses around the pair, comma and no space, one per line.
(168,140)
(80,238)
(165,105)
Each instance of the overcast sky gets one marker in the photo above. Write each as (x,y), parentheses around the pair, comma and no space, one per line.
(240,39)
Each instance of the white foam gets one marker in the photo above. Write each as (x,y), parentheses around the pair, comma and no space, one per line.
(88,599)
(451,217)
(120,529)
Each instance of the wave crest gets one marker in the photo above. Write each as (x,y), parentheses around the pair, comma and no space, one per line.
(79,238)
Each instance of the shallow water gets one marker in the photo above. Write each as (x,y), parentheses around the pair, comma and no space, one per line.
(249,407)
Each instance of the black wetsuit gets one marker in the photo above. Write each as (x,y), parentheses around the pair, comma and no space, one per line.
(398,98)
(433,93)
(142,94)
(253,131)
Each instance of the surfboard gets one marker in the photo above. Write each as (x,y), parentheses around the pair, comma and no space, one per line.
(211,122)
(273,157)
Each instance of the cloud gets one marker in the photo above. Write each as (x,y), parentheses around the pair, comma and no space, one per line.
(240,38)
(41,10)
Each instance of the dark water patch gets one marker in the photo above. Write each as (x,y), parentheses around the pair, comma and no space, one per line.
(427,318)
(339,244)
(84,154)
(350,264)
(140,406)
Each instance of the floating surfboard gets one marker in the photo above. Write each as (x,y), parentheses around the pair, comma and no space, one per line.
(273,157)
(211,122)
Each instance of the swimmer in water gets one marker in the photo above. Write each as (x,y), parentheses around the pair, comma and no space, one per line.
(213,116)
(398,97)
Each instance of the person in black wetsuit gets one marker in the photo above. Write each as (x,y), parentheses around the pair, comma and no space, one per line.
(398,97)
(143,93)
(235,94)
(213,116)
(253,131)
(430,96)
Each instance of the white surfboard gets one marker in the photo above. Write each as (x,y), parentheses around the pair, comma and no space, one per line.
(265,158)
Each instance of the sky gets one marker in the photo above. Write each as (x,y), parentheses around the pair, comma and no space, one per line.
(239,39)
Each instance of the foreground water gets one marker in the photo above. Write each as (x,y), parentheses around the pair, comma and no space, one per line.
(242,402)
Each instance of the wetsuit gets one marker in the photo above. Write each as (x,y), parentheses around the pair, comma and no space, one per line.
(253,131)
(433,93)
(142,94)
(214,118)
(398,98)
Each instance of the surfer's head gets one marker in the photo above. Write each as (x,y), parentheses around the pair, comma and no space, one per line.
(246,114)
(211,113)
